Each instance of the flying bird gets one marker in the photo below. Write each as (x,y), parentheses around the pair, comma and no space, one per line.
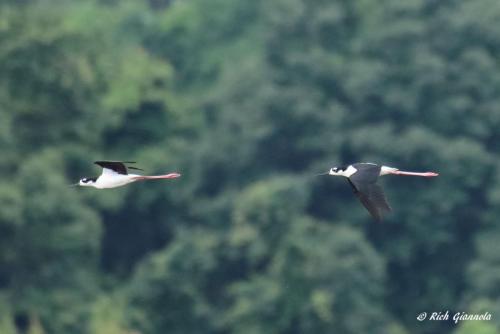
(115,174)
(363,179)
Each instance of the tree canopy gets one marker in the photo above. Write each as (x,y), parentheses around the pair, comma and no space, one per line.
(248,100)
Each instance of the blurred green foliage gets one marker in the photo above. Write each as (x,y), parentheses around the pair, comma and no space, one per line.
(248,100)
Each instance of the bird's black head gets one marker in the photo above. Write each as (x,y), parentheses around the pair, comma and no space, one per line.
(337,170)
(87,181)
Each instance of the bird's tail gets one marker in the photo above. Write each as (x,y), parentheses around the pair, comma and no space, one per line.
(155,177)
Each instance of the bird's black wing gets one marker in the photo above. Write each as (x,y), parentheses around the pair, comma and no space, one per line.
(370,195)
(366,173)
(135,168)
(116,166)
(368,204)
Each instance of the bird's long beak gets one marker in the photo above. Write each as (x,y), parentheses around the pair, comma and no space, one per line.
(326,173)
(74,185)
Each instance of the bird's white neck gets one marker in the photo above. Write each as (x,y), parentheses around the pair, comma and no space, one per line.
(346,173)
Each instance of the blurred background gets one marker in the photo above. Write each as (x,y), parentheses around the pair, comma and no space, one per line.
(248,100)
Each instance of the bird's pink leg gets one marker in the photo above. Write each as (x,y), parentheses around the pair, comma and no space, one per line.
(426,174)
(156,177)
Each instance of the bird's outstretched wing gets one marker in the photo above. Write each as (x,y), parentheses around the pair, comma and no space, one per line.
(118,167)
(372,197)
(365,173)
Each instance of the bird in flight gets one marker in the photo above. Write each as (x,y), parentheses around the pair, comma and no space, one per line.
(363,179)
(115,174)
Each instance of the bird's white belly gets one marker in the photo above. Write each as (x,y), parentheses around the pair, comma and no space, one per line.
(384,170)
(113,181)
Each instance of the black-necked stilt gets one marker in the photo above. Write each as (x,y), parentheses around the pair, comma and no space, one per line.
(363,177)
(115,174)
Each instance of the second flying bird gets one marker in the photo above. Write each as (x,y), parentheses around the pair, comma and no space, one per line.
(363,179)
